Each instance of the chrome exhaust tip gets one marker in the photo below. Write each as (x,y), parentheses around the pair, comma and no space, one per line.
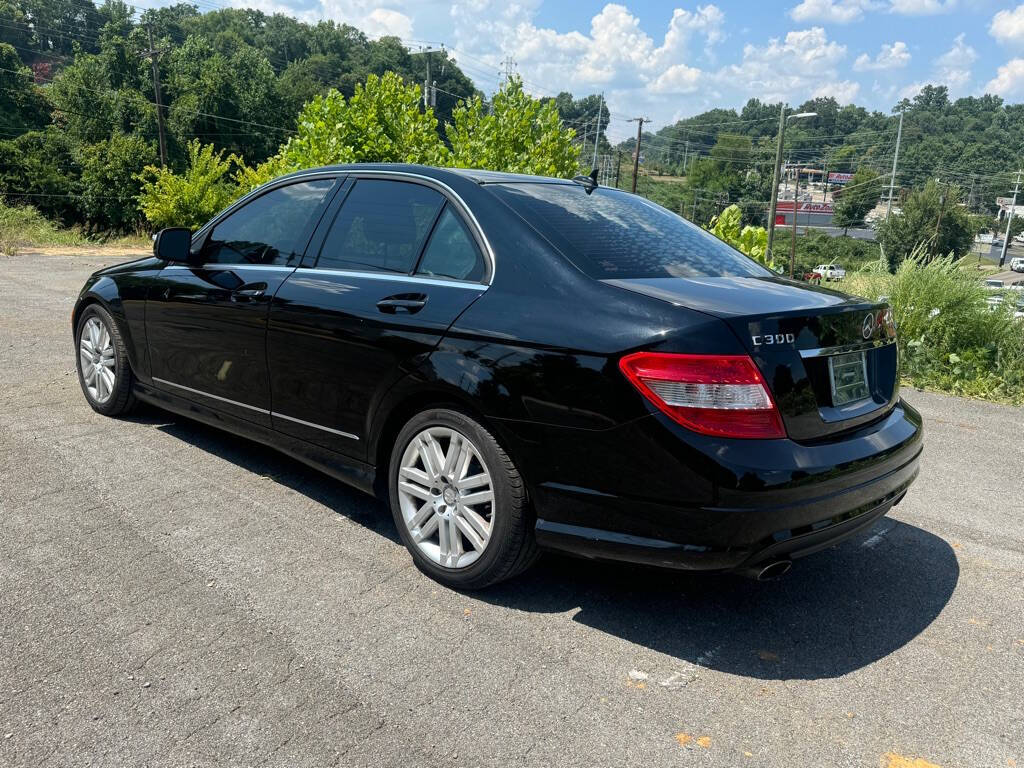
(770,571)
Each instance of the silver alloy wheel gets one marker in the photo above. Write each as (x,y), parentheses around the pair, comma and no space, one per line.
(97,359)
(446,497)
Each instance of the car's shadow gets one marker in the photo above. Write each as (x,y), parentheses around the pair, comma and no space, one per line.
(833,613)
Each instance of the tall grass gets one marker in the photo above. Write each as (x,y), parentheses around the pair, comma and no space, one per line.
(22,226)
(950,339)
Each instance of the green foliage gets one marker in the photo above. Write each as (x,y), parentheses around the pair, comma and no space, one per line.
(110,169)
(753,241)
(817,247)
(23,225)
(22,104)
(949,338)
(857,198)
(381,123)
(519,134)
(41,167)
(930,221)
(193,197)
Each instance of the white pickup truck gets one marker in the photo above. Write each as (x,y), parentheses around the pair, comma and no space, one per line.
(830,271)
(1017,264)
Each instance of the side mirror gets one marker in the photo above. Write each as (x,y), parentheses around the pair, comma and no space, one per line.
(173,244)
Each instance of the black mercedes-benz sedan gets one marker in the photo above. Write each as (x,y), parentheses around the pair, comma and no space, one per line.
(517,363)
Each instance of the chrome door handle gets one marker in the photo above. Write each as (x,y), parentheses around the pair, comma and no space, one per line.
(248,293)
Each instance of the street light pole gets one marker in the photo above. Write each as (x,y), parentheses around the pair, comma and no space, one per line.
(783,119)
(1009,221)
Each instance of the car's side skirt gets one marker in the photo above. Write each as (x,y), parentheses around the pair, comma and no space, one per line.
(350,471)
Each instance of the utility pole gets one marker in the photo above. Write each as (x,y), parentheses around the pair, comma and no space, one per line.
(618,166)
(942,208)
(686,154)
(639,138)
(792,239)
(597,135)
(693,213)
(1009,220)
(895,158)
(429,86)
(153,55)
(775,180)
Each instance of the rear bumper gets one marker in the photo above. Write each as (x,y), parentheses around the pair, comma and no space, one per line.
(767,499)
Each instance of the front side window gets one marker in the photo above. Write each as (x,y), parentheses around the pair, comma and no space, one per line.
(614,235)
(381,227)
(451,251)
(268,230)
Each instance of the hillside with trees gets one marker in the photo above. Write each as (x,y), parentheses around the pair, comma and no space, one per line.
(974,143)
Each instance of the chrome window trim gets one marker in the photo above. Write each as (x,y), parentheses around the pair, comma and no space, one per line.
(451,194)
(219,266)
(315,426)
(398,276)
(844,348)
(258,410)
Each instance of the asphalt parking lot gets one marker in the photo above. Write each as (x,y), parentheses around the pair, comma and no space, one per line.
(173,596)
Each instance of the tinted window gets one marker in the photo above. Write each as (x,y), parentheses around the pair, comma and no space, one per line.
(451,251)
(381,226)
(268,230)
(611,234)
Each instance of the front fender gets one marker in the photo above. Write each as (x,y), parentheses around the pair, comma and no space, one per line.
(127,312)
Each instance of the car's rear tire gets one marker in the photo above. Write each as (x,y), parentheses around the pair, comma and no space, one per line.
(102,361)
(441,460)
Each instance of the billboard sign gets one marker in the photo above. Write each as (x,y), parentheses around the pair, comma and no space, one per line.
(839,178)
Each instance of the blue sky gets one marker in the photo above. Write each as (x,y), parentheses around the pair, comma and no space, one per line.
(666,60)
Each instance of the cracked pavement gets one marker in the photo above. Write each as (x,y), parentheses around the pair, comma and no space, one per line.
(174,596)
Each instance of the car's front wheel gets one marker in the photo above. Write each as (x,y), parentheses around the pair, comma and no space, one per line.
(102,362)
(459,502)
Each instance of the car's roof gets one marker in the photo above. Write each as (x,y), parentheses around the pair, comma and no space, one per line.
(476,175)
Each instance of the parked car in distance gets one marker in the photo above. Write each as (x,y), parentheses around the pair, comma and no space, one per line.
(830,271)
(1017,264)
(517,363)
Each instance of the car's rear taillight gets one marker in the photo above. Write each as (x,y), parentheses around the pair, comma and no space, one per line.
(722,395)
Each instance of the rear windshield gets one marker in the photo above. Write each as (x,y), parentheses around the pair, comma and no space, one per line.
(614,235)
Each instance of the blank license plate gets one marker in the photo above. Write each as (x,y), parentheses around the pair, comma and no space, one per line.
(849,376)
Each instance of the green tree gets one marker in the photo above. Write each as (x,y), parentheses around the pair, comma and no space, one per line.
(931,218)
(22,104)
(857,199)
(108,185)
(381,123)
(519,134)
(192,198)
(753,241)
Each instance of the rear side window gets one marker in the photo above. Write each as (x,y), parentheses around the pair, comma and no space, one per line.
(268,230)
(381,227)
(613,235)
(451,251)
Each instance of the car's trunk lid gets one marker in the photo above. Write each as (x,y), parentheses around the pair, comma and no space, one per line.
(829,359)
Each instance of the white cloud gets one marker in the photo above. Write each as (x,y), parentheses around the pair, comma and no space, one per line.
(921,7)
(1008,26)
(844,91)
(889,57)
(373,18)
(953,68)
(911,90)
(830,11)
(789,69)
(1009,81)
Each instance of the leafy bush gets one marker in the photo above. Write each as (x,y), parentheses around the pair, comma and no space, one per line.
(519,134)
(109,171)
(192,198)
(949,338)
(753,241)
(23,225)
